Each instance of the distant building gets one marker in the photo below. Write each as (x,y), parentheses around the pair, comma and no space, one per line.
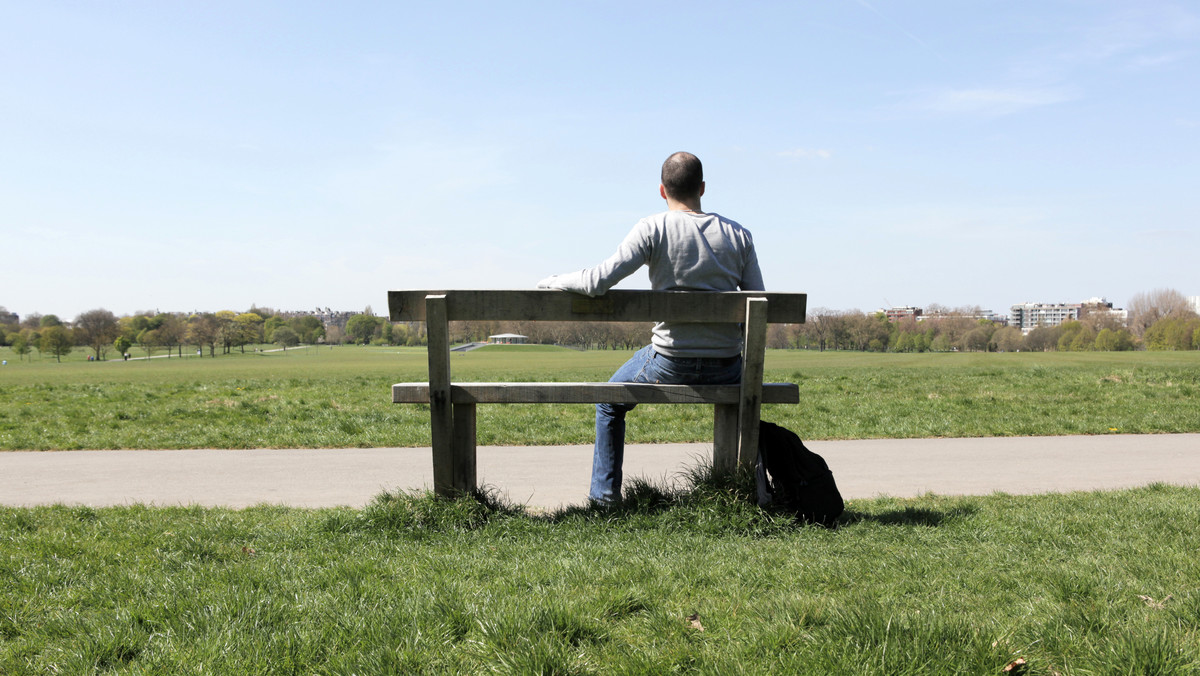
(508,339)
(973,313)
(1103,307)
(7,317)
(897,313)
(327,317)
(1194,302)
(1029,316)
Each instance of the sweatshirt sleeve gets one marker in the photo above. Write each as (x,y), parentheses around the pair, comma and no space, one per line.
(632,254)
(751,274)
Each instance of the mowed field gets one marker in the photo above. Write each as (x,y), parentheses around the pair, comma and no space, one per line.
(691,579)
(340,397)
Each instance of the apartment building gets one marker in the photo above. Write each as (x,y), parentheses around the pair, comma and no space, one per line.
(1029,316)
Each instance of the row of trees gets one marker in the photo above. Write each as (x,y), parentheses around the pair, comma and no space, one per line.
(831,330)
(1158,320)
(101,331)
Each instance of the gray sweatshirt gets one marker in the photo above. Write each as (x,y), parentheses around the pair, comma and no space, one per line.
(685,251)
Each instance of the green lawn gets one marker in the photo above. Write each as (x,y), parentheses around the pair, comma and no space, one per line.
(339,397)
(691,580)
(697,582)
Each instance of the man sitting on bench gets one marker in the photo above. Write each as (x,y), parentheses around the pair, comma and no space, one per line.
(685,249)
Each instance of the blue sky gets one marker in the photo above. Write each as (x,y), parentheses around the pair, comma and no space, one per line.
(207,156)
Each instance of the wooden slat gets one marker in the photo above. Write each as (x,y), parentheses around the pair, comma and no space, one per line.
(615,306)
(593,393)
(441,413)
(725,437)
(462,470)
(754,349)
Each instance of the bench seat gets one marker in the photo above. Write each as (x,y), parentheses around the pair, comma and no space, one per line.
(593,393)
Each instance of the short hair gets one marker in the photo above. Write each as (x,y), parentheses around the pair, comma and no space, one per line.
(682,176)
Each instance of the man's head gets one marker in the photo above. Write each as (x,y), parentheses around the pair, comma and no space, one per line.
(683,177)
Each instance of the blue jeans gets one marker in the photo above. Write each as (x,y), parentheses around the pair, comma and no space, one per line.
(647,366)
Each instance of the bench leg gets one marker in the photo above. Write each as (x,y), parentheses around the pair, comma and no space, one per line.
(463,462)
(725,438)
(442,423)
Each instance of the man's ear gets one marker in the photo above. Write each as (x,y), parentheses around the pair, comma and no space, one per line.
(701,189)
(662,190)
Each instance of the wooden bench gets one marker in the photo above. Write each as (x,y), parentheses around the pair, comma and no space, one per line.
(452,405)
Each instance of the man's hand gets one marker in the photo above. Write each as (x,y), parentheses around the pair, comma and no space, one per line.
(548,283)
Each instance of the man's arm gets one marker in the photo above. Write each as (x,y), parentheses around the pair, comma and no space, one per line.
(751,274)
(596,281)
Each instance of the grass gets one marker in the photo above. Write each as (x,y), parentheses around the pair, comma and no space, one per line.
(322,397)
(692,579)
(339,398)
(689,578)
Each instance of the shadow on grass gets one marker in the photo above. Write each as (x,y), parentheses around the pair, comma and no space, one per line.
(698,500)
(910,516)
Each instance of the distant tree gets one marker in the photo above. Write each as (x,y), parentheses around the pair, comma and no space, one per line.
(286,337)
(249,329)
(910,335)
(1008,339)
(1171,333)
(32,338)
(778,336)
(204,331)
(20,345)
(122,344)
(149,340)
(32,321)
(269,325)
(1043,339)
(264,312)
(334,335)
(1084,340)
(97,329)
(127,330)
(976,340)
(862,329)
(58,341)
(1067,333)
(1114,340)
(171,332)
(229,332)
(49,320)
(1145,309)
(308,328)
(385,332)
(361,328)
(5,316)
(952,329)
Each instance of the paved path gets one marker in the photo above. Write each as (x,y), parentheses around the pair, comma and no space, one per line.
(552,476)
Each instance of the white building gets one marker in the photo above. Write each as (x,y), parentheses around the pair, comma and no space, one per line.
(1029,316)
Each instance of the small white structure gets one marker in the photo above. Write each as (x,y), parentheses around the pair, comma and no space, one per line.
(508,339)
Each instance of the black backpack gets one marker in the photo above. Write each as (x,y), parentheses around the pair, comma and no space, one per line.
(794,479)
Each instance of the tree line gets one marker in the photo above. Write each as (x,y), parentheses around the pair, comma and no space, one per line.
(104,333)
(1158,320)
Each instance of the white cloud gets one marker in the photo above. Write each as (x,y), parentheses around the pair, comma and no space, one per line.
(993,101)
(806,153)
(1153,61)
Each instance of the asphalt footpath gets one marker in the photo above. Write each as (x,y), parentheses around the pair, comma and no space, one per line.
(549,477)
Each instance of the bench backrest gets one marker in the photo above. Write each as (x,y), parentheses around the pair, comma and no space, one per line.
(614,306)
